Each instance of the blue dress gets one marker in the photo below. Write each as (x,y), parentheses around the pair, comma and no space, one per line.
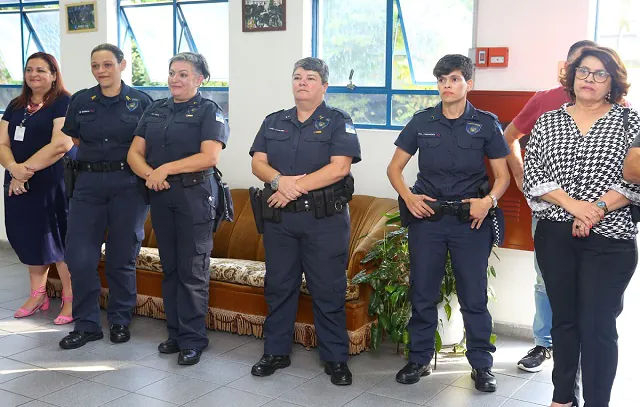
(36,221)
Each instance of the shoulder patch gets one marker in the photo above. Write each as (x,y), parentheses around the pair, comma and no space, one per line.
(274,113)
(488,114)
(342,112)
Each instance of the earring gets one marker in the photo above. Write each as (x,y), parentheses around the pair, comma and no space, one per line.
(608,97)
(53,84)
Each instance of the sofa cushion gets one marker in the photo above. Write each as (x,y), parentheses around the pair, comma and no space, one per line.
(236,271)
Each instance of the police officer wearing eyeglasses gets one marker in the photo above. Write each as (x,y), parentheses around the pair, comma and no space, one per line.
(101,121)
(304,154)
(448,213)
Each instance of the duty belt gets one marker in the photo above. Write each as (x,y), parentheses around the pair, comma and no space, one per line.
(302,204)
(191,178)
(102,166)
(451,207)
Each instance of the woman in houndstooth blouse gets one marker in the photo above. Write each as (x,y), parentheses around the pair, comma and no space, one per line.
(585,240)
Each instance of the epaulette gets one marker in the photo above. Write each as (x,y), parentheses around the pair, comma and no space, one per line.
(271,114)
(214,103)
(78,93)
(423,111)
(342,112)
(143,92)
(488,114)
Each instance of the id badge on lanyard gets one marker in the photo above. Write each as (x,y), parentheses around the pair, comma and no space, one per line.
(20,130)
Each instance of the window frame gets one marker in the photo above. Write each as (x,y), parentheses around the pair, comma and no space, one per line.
(30,32)
(386,90)
(178,19)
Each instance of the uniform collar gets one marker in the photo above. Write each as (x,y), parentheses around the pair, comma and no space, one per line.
(470,113)
(124,92)
(193,101)
(321,113)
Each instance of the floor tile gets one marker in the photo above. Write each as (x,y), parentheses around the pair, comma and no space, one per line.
(137,400)
(178,389)
(535,392)
(11,399)
(5,313)
(248,354)
(131,377)
(321,393)
(271,386)
(84,394)
(23,324)
(307,365)
(456,397)
(39,384)
(227,397)
(12,344)
(368,400)
(51,333)
(12,369)
(87,365)
(370,369)
(417,393)
(128,351)
(216,370)
(280,403)
(36,403)
(518,403)
(168,363)
(544,375)
(507,385)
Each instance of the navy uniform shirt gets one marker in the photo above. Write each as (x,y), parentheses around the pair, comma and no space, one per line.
(295,148)
(103,124)
(173,131)
(451,156)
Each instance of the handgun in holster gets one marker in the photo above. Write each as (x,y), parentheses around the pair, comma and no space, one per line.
(255,197)
(69,174)
(224,204)
(269,212)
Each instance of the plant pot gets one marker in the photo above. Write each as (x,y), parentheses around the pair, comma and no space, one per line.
(452,330)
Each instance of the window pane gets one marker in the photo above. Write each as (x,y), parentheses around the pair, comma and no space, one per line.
(10,49)
(619,28)
(428,42)
(46,24)
(352,36)
(7,95)
(363,108)
(209,26)
(155,40)
(403,107)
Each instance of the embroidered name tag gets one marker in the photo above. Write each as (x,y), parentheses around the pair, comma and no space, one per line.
(87,111)
(429,134)
(278,130)
(154,114)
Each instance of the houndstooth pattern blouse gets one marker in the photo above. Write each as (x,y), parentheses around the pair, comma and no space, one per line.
(585,167)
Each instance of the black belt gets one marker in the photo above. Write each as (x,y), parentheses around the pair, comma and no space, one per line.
(191,178)
(302,204)
(450,208)
(103,166)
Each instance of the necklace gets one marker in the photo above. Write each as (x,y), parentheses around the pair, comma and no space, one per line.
(33,107)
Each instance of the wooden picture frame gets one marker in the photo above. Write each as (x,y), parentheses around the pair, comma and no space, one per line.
(82,17)
(264,15)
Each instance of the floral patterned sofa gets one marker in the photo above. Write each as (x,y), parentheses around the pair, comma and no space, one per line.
(236,291)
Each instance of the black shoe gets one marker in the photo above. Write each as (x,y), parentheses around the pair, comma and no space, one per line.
(535,359)
(119,333)
(189,356)
(269,364)
(340,373)
(412,372)
(77,339)
(169,346)
(485,380)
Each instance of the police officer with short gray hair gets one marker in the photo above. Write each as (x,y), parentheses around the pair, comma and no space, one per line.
(177,145)
(304,156)
(445,211)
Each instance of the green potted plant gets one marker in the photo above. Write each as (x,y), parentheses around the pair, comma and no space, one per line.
(387,272)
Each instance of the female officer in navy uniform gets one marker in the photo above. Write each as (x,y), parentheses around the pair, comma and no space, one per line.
(306,148)
(452,139)
(101,121)
(177,144)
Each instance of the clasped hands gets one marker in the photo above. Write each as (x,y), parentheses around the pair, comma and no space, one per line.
(20,173)
(478,211)
(288,190)
(157,179)
(586,214)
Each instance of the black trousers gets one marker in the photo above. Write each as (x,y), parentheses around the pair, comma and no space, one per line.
(585,279)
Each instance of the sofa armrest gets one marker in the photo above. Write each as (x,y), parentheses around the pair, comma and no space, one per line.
(364,245)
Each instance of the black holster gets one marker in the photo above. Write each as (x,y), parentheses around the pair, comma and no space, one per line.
(495,214)
(270,214)
(70,174)
(224,207)
(255,197)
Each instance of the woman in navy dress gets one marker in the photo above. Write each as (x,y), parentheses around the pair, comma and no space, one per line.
(31,146)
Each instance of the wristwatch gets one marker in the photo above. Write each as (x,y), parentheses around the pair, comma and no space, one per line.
(275,181)
(602,205)
(494,200)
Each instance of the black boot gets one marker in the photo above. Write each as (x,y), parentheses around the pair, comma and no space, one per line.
(269,364)
(169,346)
(189,356)
(77,339)
(340,373)
(412,372)
(119,333)
(485,380)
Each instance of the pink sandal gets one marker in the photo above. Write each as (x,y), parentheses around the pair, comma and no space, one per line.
(23,312)
(63,319)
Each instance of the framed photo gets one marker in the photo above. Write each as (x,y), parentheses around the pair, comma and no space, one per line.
(264,15)
(81,17)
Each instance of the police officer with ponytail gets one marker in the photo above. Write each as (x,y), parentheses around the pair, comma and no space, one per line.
(446,210)
(304,156)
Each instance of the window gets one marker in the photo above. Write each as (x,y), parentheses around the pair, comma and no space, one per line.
(150,32)
(618,27)
(26,27)
(391,46)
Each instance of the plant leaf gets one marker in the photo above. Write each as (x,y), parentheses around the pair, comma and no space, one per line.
(447,310)
(376,338)
(493,339)
(405,336)
(438,342)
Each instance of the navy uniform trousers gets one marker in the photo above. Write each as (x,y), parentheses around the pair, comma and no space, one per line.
(319,247)
(182,219)
(104,202)
(470,250)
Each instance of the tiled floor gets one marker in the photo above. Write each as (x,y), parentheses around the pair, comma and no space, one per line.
(35,372)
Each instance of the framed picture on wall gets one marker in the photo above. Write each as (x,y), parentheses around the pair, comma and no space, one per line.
(82,17)
(264,15)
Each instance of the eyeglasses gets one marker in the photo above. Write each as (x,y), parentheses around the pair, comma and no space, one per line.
(599,76)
